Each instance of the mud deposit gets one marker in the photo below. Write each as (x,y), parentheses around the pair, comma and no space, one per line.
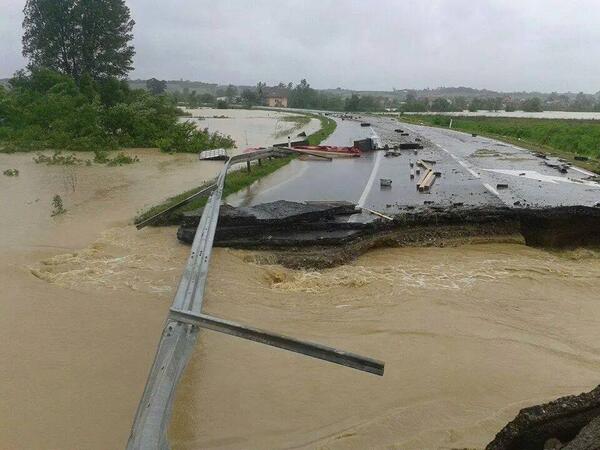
(470,335)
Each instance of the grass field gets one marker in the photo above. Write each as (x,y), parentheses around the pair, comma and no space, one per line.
(559,137)
(327,128)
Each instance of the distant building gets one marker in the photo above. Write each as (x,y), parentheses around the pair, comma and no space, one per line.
(276,97)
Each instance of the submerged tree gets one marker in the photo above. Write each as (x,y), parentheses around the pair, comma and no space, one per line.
(78,37)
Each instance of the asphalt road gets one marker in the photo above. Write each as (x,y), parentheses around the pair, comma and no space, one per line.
(474,171)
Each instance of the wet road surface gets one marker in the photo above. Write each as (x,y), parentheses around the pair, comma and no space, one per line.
(473,171)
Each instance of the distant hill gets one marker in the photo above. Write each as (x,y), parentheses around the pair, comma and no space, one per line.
(179,85)
(447,92)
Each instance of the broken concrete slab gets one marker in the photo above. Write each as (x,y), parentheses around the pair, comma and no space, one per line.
(279,223)
(289,224)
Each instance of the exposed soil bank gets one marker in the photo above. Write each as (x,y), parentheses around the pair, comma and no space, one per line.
(570,423)
(300,235)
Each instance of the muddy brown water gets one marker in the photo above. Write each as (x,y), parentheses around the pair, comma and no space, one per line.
(75,355)
(470,333)
(83,295)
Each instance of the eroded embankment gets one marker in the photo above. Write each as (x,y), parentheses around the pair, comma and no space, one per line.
(569,423)
(326,234)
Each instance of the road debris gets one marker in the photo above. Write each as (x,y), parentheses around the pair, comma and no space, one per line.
(217,154)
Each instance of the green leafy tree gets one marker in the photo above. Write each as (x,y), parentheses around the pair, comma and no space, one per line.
(414,104)
(302,96)
(510,106)
(460,104)
(260,91)
(231,92)
(477,104)
(440,104)
(249,98)
(156,87)
(207,98)
(532,105)
(78,37)
(352,103)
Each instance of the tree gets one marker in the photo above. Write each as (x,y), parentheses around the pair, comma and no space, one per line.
(250,98)
(207,98)
(532,105)
(583,102)
(78,37)
(231,92)
(352,103)
(510,106)
(260,91)
(440,104)
(460,104)
(155,86)
(302,96)
(414,104)
(477,104)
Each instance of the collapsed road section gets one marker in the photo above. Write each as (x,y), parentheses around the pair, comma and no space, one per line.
(410,186)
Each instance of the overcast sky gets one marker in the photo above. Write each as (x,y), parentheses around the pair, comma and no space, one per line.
(546,45)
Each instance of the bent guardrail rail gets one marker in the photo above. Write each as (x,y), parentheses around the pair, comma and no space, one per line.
(185,318)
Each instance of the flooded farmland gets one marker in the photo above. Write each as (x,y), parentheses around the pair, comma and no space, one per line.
(249,127)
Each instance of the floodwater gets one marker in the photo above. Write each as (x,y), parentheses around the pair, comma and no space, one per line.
(470,334)
(249,128)
(581,115)
(77,331)
(84,294)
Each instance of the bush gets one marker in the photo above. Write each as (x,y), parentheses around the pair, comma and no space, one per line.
(185,137)
(57,206)
(47,110)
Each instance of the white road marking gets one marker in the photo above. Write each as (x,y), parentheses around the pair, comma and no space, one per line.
(533,175)
(369,185)
(583,171)
(466,166)
(463,163)
(491,189)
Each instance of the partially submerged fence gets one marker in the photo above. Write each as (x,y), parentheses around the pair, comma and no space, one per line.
(185,318)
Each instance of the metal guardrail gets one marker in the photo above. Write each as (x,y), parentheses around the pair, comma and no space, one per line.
(150,220)
(181,329)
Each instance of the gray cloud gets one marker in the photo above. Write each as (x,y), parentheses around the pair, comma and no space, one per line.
(504,45)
